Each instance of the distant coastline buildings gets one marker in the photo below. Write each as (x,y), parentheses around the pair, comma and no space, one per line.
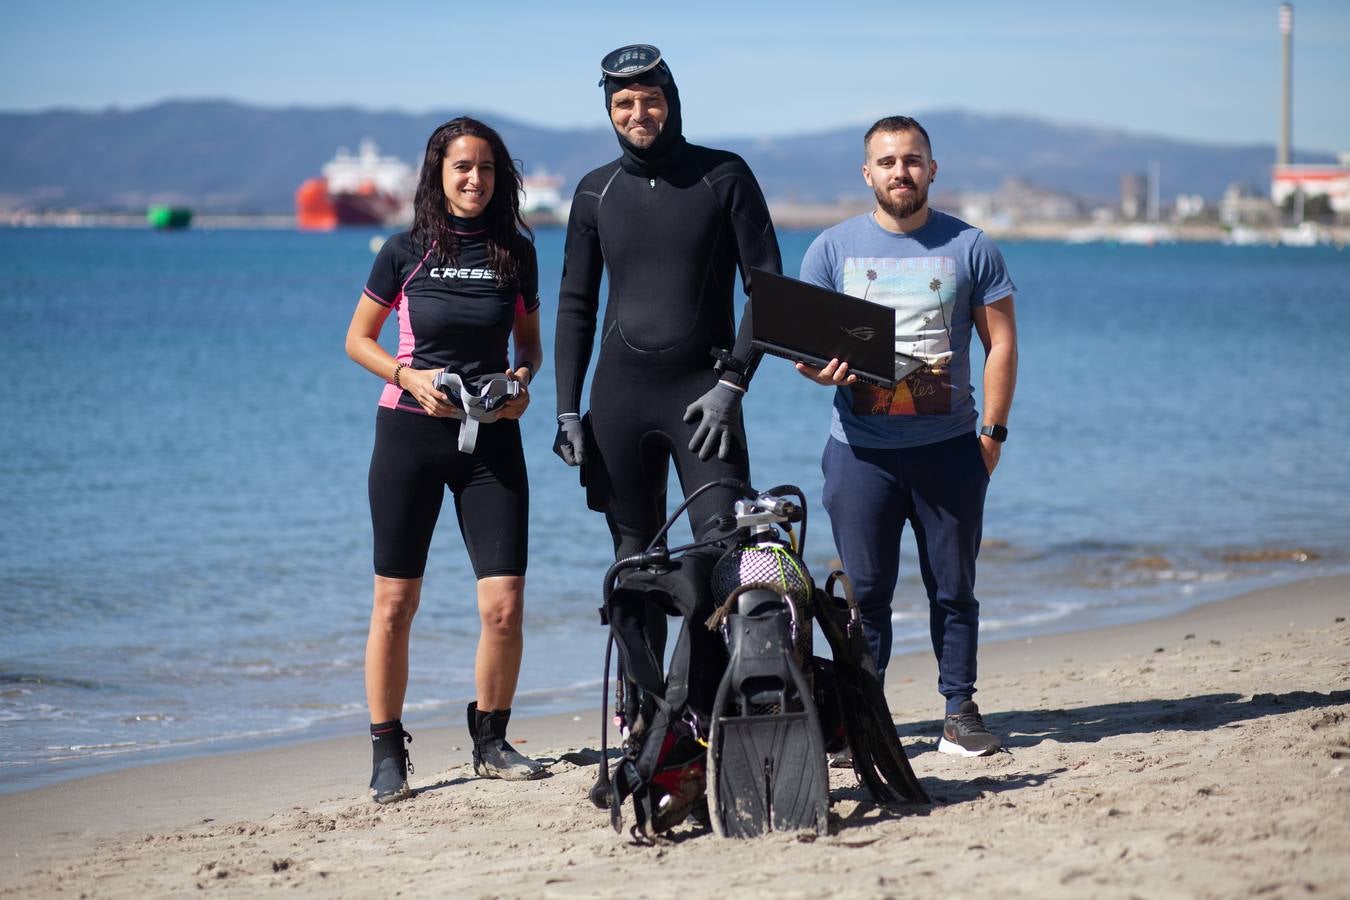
(1082,188)
(1293,185)
(1299,194)
(1134,191)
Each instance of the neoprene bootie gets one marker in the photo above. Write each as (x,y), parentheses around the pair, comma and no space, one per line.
(493,756)
(391,764)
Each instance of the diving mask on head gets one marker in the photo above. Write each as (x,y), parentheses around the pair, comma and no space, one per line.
(479,401)
(635,62)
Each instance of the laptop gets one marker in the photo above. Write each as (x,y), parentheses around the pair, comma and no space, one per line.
(810,324)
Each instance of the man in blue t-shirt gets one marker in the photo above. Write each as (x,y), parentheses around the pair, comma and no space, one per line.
(912,453)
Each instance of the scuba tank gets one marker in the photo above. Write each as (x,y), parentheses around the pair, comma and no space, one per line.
(763,557)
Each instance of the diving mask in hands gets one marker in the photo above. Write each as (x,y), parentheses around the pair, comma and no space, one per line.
(480,400)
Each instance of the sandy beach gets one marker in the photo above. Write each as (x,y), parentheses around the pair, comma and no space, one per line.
(1202,755)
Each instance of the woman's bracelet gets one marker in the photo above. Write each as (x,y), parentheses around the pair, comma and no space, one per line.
(399,367)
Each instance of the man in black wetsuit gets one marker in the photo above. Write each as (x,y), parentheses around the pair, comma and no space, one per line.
(672,222)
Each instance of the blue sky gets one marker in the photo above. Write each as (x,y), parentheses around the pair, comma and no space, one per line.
(1205,70)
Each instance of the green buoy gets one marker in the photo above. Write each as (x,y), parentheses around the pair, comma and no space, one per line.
(163,218)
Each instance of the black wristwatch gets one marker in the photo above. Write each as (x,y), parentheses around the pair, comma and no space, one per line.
(997,433)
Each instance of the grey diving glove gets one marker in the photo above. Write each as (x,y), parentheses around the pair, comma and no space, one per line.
(715,412)
(570,443)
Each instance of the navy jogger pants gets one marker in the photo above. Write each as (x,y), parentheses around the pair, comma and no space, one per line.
(938,488)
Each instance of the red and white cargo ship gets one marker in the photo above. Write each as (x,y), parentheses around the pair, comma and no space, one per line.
(364,188)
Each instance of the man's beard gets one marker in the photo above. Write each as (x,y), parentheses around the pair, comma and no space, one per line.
(644,143)
(905,208)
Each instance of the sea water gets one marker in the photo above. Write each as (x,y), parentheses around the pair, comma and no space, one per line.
(185,562)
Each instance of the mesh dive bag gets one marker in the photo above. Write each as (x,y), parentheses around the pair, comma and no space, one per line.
(774,563)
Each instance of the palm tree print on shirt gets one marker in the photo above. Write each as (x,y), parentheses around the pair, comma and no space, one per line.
(939,365)
(909,285)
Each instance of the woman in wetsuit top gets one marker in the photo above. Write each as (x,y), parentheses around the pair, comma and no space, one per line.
(464,282)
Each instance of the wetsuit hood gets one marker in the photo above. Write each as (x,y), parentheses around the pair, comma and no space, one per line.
(654,159)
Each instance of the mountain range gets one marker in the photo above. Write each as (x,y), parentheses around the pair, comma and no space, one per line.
(226,157)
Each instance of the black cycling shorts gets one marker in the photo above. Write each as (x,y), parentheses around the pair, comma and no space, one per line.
(415,458)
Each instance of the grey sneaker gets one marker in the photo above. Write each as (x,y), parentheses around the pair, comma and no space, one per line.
(493,755)
(964,733)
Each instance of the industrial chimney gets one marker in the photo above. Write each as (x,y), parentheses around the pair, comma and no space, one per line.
(1286,101)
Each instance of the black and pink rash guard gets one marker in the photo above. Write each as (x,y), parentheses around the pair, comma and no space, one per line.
(455,317)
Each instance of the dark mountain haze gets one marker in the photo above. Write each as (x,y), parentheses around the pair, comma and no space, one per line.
(225,157)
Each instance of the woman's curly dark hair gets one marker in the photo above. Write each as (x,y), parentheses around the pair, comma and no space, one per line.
(431,222)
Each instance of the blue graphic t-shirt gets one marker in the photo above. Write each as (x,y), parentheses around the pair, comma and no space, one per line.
(932,277)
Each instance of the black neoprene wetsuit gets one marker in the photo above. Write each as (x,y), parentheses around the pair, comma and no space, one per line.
(672,240)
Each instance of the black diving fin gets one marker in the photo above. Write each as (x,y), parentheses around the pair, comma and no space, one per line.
(766,757)
(878,758)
